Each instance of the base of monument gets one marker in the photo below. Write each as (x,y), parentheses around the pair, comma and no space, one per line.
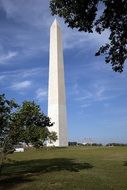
(57,144)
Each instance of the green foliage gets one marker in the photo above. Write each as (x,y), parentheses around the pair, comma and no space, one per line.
(22,124)
(7,108)
(32,124)
(74,143)
(52,136)
(84,16)
(116,144)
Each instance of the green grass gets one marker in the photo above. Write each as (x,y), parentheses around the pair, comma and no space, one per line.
(66,169)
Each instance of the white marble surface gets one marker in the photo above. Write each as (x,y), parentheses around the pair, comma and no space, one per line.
(56,91)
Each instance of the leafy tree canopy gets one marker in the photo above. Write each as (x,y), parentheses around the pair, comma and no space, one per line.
(25,123)
(7,108)
(33,124)
(83,15)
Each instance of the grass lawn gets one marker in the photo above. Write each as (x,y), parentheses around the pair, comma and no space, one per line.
(76,168)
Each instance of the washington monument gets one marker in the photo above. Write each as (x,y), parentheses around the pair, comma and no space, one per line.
(56,90)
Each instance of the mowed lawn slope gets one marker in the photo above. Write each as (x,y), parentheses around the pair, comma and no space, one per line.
(76,168)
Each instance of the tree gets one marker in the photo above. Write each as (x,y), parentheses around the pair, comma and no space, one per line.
(52,136)
(7,108)
(83,15)
(33,124)
(22,123)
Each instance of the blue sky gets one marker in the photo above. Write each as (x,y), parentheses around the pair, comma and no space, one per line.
(96,96)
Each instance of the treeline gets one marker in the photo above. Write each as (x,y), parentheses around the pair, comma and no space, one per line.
(116,144)
(74,143)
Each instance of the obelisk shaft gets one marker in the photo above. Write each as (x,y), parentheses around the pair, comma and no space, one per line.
(56,91)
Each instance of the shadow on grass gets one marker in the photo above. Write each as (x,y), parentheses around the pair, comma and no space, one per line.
(19,172)
(125,163)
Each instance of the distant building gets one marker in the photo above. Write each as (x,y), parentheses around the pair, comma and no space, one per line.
(87,141)
(18,148)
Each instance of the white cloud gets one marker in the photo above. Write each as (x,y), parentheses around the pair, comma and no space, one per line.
(7,57)
(86,105)
(37,14)
(30,33)
(2,77)
(24,73)
(75,39)
(41,94)
(97,93)
(30,12)
(76,89)
(21,85)
(86,95)
(29,24)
